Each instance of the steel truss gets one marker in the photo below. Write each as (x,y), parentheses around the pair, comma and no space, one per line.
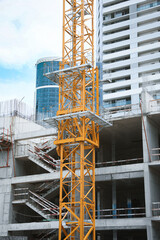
(77,121)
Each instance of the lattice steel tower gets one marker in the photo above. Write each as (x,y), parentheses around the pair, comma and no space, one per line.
(78,121)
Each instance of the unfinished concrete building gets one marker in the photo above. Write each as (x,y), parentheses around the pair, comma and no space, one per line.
(127,176)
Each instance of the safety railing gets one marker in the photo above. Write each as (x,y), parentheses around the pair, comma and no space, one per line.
(47,145)
(38,153)
(46,207)
(155,154)
(41,154)
(120,111)
(121,213)
(120,162)
(5,138)
(50,235)
(156,209)
(47,186)
(21,194)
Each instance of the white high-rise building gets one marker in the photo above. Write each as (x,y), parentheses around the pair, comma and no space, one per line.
(128,46)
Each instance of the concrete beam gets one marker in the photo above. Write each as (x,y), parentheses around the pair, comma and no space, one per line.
(120,169)
(33,226)
(36,178)
(102,174)
(101,224)
(118,176)
(119,172)
(156,219)
(125,223)
(36,134)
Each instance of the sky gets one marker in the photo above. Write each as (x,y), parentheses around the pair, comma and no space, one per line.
(29,30)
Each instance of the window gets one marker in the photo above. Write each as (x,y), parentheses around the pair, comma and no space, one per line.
(148,5)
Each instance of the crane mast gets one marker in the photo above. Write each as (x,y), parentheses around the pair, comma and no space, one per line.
(78,122)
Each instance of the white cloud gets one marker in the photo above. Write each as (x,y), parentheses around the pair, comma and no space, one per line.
(29,29)
(21,89)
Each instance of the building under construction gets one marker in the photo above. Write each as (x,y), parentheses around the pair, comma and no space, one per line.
(127,176)
(101,179)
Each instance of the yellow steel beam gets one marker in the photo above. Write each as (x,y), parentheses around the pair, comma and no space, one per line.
(77,137)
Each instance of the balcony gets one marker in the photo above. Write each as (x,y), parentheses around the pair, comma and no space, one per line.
(148,6)
(121,111)
(122,213)
(156,209)
(120,162)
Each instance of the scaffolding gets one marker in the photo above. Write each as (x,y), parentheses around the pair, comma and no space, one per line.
(5,145)
(15,107)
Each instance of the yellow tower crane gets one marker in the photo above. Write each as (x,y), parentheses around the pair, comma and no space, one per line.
(78,121)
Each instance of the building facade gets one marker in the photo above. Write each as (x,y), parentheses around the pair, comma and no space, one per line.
(127,178)
(128,46)
(47,92)
(127,162)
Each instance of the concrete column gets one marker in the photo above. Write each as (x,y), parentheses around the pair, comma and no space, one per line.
(148,203)
(115,235)
(145,139)
(5,206)
(147,188)
(114,195)
(98,236)
(146,169)
(149,231)
(129,205)
(113,148)
(98,203)
(114,206)
(114,198)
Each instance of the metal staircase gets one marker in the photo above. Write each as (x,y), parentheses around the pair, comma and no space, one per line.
(47,188)
(37,203)
(47,146)
(42,159)
(40,154)
(42,206)
(48,235)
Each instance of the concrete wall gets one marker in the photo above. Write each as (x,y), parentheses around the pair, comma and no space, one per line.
(19,125)
(154,184)
(5,206)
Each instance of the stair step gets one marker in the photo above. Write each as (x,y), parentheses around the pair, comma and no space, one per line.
(37,210)
(41,164)
(39,204)
(21,201)
(51,190)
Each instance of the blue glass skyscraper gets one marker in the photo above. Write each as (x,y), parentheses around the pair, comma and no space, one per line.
(47,92)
